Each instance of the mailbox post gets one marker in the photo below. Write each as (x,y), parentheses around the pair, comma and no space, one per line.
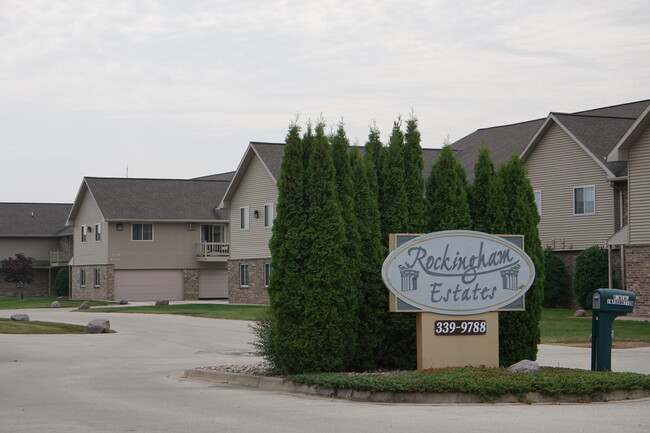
(607,305)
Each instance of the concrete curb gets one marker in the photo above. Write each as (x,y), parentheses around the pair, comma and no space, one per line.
(284,385)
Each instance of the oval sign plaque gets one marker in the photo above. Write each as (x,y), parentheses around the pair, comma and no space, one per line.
(458,272)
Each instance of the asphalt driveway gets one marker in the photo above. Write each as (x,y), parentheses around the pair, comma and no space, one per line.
(127,382)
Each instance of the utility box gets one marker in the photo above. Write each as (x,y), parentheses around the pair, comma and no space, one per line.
(607,305)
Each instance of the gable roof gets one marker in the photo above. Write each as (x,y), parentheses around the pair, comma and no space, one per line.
(596,131)
(34,219)
(619,152)
(129,199)
(271,154)
(219,176)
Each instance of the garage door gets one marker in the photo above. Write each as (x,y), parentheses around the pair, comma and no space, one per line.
(213,283)
(149,285)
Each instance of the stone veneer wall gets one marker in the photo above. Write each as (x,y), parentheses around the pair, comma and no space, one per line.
(38,287)
(637,268)
(256,292)
(190,284)
(106,289)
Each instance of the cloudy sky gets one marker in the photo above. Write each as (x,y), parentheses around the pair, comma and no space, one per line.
(177,89)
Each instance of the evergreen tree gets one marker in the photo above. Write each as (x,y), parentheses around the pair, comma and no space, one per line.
(373,308)
(480,192)
(413,167)
(591,273)
(287,248)
(327,331)
(447,206)
(519,330)
(373,150)
(392,192)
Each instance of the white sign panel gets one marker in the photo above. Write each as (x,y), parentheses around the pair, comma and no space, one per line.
(458,272)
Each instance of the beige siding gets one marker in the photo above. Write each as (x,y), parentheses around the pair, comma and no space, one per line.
(639,189)
(92,251)
(173,247)
(37,248)
(256,189)
(555,167)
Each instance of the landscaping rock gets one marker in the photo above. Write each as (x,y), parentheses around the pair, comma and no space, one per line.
(524,366)
(163,302)
(580,313)
(85,305)
(20,317)
(55,304)
(123,302)
(98,326)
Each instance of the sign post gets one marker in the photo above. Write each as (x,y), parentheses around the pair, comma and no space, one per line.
(456,281)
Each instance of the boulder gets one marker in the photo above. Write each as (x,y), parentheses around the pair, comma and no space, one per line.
(20,317)
(525,366)
(163,302)
(55,304)
(98,326)
(580,313)
(85,305)
(123,302)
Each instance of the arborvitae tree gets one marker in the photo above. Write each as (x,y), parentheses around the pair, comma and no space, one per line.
(413,167)
(62,282)
(373,149)
(447,206)
(591,273)
(392,193)
(373,308)
(287,249)
(480,192)
(326,335)
(519,330)
(556,280)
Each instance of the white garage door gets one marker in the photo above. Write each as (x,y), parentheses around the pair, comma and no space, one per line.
(213,283)
(149,285)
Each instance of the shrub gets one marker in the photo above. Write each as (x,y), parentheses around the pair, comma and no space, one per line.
(591,273)
(62,282)
(556,289)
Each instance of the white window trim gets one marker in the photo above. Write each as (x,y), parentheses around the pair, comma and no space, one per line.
(241,274)
(269,223)
(97,277)
(267,275)
(142,240)
(98,232)
(245,222)
(539,208)
(573,198)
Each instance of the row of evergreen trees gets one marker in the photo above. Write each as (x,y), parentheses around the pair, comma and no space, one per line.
(335,210)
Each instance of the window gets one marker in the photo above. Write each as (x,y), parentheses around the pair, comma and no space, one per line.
(243,275)
(584,200)
(267,274)
(268,215)
(142,232)
(84,233)
(82,277)
(98,232)
(538,201)
(97,277)
(244,221)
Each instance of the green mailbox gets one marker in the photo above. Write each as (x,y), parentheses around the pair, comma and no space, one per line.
(607,305)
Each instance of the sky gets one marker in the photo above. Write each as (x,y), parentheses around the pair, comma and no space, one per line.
(177,89)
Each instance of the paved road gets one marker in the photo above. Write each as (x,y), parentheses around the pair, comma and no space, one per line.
(124,382)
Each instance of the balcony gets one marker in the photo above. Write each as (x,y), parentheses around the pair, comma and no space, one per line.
(212,252)
(59,258)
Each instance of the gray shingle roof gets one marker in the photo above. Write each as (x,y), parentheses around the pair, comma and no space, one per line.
(34,219)
(598,129)
(128,199)
(219,176)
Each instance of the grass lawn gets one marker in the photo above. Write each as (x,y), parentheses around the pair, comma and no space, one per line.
(214,311)
(559,326)
(14,302)
(8,326)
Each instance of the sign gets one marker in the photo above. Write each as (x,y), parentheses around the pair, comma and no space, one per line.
(460,327)
(620,300)
(458,272)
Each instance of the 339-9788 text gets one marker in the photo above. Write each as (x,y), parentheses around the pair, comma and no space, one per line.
(460,327)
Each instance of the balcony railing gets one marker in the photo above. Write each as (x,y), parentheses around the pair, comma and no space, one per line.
(59,258)
(213,251)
